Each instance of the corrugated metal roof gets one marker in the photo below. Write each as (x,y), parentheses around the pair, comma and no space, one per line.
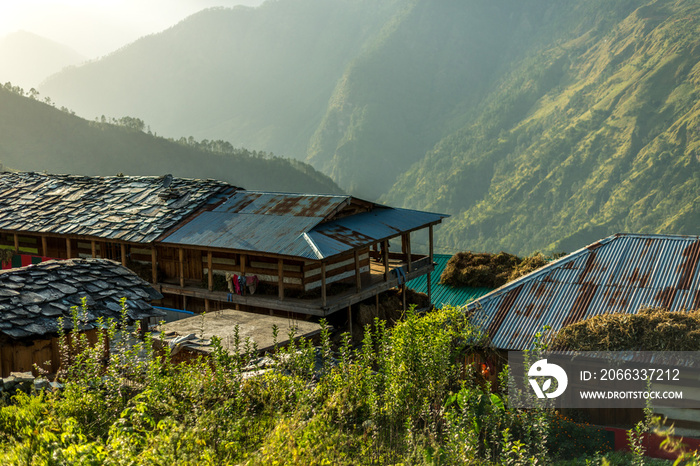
(445,294)
(128,208)
(293,225)
(619,274)
(294,205)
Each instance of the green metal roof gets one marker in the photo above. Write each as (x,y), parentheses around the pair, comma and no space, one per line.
(445,294)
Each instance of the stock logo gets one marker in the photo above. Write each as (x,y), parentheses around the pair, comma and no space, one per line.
(543,369)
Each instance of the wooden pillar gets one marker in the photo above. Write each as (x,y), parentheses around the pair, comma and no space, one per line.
(403,296)
(406,250)
(385,251)
(44,247)
(430,242)
(69,251)
(93,247)
(323,284)
(350,320)
(376,303)
(430,294)
(122,251)
(358,277)
(243,264)
(181,254)
(206,305)
(184,302)
(280,278)
(154,265)
(210,271)
(16,243)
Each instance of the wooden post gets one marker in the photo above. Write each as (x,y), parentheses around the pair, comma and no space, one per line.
(154,265)
(280,278)
(184,302)
(122,250)
(403,296)
(242,264)
(323,284)
(409,258)
(430,294)
(430,242)
(376,302)
(181,254)
(69,252)
(358,278)
(206,305)
(210,271)
(385,251)
(350,320)
(16,243)
(93,247)
(44,247)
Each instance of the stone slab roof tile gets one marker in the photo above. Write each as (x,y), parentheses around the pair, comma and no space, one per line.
(105,207)
(50,289)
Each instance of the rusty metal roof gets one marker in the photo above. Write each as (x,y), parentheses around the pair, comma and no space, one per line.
(127,208)
(32,298)
(296,225)
(618,274)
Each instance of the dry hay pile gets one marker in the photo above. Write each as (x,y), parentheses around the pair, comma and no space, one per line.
(488,270)
(651,329)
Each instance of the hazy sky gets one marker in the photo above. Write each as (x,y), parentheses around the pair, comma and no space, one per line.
(97,27)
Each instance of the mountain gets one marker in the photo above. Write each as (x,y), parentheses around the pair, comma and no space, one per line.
(597,134)
(538,125)
(34,136)
(26,59)
(258,77)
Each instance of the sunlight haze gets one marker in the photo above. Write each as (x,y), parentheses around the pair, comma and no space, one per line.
(95,28)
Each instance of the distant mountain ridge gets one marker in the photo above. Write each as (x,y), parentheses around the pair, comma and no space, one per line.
(26,59)
(34,136)
(536,125)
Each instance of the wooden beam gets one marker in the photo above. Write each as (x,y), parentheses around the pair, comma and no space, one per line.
(350,320)
(358,277)
(154,265)
(210,271)
(93,247)
(280,279)
(69,251)
(44,247)
(122,251)
(16,242)
(385,252)
(181,254)
(206,305)
(243,264)
(323,284)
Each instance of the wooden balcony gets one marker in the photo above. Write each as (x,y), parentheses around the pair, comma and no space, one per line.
(371,284)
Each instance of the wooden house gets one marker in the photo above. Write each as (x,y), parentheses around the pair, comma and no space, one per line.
(33,298)
(306,254)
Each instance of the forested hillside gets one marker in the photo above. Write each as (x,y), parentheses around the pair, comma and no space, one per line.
(34,136)
(536,125)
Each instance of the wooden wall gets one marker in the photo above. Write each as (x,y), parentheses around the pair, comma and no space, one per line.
(21,356)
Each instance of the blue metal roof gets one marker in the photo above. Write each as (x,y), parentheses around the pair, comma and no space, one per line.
(445,294)
(618,274)
(295,225)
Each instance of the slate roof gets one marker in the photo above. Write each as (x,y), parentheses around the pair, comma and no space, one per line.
(33,297)
(445,294)
(297,225)
(133,208)
(619,274)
